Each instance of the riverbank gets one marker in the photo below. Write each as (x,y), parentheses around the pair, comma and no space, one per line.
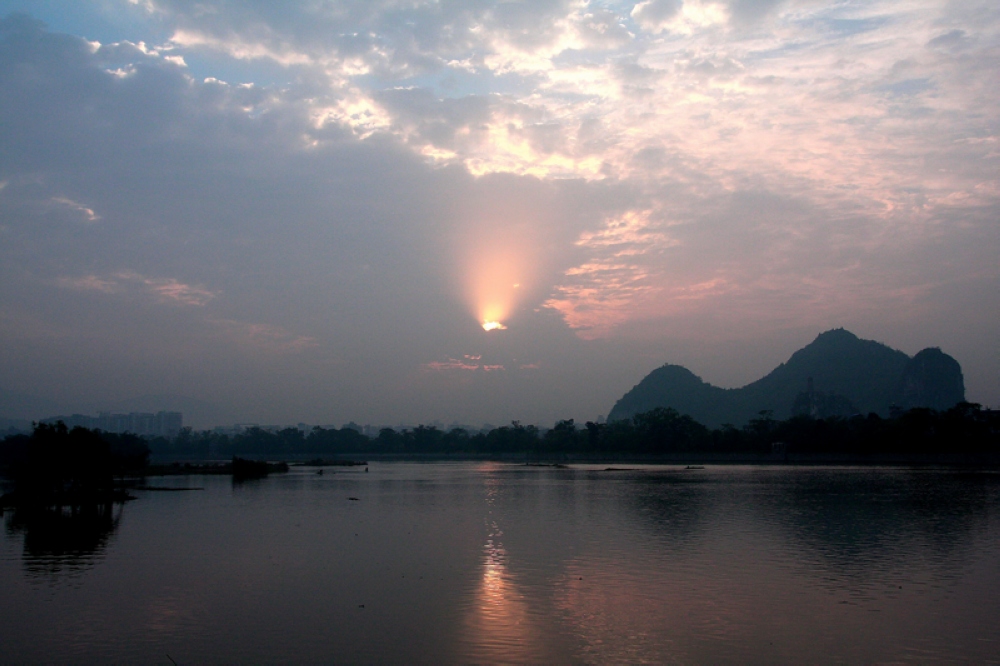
(183,468)
(193,466)
(805,459)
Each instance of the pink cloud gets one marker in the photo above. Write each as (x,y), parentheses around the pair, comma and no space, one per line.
(178,292)
(449,365)
(169,290)
(468,363)
(264,337)
(89,283)
(87,211)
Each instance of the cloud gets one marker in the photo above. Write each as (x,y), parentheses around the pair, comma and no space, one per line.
(88,213)
(171,290)
(654,15)
(610,287)
(237,48)
(166,290)
(263,337)
(681,17)
(467,363)
(711,100)
(90,283)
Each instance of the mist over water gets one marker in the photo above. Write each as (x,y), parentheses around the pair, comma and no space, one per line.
(486,562)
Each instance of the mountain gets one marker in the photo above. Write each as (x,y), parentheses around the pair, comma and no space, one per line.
(931,379)
(838,374)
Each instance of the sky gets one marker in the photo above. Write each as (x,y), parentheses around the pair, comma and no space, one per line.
(313,211)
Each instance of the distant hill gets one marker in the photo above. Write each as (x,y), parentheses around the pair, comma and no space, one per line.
(22,407)
(838,374)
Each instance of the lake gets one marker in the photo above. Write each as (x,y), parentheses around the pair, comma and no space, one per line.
(475,562)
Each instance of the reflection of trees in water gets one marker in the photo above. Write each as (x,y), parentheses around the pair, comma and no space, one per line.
(864,521)
(63,540)
(853,522)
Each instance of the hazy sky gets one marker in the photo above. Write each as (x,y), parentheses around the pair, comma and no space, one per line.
(305,211)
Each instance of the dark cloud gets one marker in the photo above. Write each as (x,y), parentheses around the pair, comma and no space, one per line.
(751,11)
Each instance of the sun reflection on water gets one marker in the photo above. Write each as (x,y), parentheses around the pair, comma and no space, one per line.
(494,570)
(501,626)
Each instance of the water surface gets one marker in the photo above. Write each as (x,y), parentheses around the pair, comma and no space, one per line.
(485,562)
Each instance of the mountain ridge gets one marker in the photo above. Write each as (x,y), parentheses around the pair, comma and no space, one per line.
(837,374)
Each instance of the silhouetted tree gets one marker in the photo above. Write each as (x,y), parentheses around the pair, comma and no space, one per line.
(58,466)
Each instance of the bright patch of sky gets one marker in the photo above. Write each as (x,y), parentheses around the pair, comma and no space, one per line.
(95,20)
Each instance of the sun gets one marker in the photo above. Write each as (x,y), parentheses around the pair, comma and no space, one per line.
(496,267)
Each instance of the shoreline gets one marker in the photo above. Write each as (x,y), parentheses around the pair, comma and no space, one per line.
(792,459)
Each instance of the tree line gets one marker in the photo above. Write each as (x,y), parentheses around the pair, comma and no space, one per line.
(966,428)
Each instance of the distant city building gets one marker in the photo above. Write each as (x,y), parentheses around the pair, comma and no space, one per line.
(145,424)
(351,425)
